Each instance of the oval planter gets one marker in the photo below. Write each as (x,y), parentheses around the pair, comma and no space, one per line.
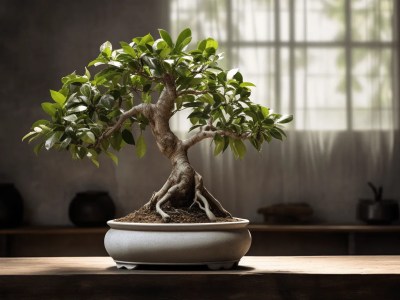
(217,245)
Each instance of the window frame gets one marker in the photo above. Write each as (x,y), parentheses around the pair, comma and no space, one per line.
(348,45)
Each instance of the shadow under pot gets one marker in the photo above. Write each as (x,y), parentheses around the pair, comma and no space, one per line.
(11,206)
(91,209)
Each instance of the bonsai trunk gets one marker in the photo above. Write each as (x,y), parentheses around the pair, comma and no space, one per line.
(184,186)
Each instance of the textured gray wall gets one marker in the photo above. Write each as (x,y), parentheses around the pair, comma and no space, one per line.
(41,41)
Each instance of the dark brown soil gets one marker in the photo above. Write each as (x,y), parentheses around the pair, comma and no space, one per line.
(181,215)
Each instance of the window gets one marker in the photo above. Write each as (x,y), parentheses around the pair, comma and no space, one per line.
(331,63)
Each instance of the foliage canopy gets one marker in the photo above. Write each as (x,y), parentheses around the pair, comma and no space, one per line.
(88,105)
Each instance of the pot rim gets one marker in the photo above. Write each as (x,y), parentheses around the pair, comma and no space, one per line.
(240,223)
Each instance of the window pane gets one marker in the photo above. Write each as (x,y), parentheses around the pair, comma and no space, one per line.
(284,15)
(372,90)
(257,66)
(253,20)
(320,96)
(285,82)
(317,20)
(372,20)
(205,17)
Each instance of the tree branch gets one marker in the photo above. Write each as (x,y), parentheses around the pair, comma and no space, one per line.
(193,92)
(141,108)
(205,134)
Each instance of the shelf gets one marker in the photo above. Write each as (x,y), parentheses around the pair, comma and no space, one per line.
(53,230)
(252,227)
(337,228)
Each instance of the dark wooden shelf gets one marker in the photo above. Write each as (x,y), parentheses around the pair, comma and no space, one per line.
(334,277)
(252,227)
(53,230)
(325,228)
(316,239)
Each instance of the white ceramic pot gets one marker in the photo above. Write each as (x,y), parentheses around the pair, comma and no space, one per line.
(217,245)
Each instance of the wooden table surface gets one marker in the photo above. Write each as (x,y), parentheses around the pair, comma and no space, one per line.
(324,265)
(329,277)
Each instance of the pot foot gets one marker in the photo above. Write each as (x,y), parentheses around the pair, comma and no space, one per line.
(223,266)
(127,266)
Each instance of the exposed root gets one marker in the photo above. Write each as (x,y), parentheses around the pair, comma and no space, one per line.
(214,201)
(205,206)
(157,195)
(166,218)
(202,198)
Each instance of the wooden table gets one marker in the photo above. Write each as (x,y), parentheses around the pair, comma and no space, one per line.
(312,277)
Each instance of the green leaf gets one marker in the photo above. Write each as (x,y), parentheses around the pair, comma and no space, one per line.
(202,45)
(87,73)
(78,108)
(52,140)
(113,157)
(116,141)
(147,39)
(107,101)
(146,98)
(231,73)
(211,43)
(88,137)
(219,144)
(40,122)
(166,37)
(182,37)
(106,49)
(86,90)
(276,134)
(70,118)
(95,161)
(128,49)
(141,146)
(38,147)
(245,84)
(58,97)
(238,148)
(49,108)
(265,111)
(64,144)
(97,62)
(29,134)
(285,119)
(93,156)
(127,136)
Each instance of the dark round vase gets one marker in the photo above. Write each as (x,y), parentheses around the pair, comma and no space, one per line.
(91,209)
(11,206)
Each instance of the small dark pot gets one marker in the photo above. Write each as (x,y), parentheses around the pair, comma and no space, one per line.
(91,209)
(378,212)
(11,206)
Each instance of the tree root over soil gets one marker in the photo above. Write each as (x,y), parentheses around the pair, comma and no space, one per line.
(204,208)
(181,215)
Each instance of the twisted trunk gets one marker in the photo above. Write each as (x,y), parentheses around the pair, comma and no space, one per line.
(184,186)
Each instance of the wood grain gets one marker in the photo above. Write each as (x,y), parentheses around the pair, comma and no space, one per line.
(334,277)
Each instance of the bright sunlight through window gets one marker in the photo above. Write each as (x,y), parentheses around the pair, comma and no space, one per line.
(331,63)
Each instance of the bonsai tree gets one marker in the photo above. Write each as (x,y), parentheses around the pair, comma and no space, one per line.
(143,84)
